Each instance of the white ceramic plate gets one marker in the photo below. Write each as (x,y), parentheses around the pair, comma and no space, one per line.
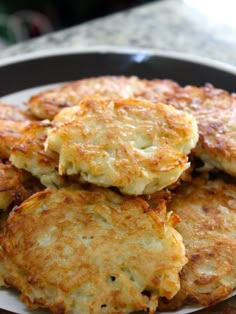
(25,75)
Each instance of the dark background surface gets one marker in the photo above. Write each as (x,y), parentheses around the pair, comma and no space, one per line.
(24,19)
(72,66)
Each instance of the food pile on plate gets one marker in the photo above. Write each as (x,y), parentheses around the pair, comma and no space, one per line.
(118,194)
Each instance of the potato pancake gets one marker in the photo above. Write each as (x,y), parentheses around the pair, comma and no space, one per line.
(15,186)
(207,210)
(134,145)
(13,113)
(214,109)
(29,154)
(10,134)
(215,112)
(3,272)
(75,250)
(12,120)
(48,103)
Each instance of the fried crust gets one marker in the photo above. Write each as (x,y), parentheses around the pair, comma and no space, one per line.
(48,103)
(10,134)
(3,272)
(13,113)
(29,154)
(15,186)
(80,251)
(213,108)
(207,210)
(215,112)
(134,145)
(12,121)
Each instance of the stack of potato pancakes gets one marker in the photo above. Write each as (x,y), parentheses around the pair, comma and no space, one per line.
(118,194)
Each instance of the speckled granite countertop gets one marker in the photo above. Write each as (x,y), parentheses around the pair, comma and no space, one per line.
(169,25)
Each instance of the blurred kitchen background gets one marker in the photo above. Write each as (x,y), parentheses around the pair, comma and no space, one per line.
(24,19)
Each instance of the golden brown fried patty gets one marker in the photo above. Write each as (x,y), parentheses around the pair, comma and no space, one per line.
(10,134)
(13,113)
(207,209)
(47,104)
(213,108)
(215,112)
(3,272)
(134,145)
(86,251)
(12,120)
(15,186)
(29,154)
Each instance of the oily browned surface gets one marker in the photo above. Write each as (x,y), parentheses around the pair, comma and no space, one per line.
(207,209)
(12,121)
(15,186)
(10,134)
(80,251)
(214,109)
(134,145)
(48,103)
(215,112)
(29,154)
(13,113)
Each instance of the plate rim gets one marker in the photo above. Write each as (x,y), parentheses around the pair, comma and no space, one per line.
(149,52)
